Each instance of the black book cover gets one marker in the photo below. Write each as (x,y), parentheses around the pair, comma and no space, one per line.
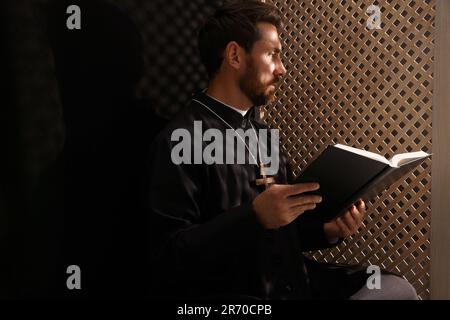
(344,177)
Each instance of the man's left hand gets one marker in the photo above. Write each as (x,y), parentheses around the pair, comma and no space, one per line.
(347,224)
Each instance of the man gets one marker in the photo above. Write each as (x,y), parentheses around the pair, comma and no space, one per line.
(219,229)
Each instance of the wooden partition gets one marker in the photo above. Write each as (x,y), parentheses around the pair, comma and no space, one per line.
(365,81)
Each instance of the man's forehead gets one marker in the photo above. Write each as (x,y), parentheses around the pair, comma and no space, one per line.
(269,35)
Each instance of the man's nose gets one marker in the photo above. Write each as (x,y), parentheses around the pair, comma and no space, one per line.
(280,70)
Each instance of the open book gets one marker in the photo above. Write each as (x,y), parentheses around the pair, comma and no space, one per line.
(346,174)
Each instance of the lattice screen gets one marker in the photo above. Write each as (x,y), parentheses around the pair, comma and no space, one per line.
(173,68)
(370,89)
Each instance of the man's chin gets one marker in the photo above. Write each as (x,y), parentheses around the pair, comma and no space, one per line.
(264,98)
(270,97)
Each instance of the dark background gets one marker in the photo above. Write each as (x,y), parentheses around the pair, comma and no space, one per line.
(79,109)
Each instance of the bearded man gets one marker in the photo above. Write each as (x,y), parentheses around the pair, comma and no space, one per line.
(233,229)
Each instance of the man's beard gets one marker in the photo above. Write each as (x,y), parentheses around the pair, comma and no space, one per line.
(257,92)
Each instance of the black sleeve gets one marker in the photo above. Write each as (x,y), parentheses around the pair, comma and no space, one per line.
(310,226)
(311,232)
(182,233)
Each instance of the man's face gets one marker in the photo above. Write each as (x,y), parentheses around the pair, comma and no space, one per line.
(264,68)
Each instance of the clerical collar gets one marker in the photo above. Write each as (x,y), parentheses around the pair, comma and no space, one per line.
(242,112)
(226,112)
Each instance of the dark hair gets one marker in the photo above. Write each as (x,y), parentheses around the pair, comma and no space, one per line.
(234,21)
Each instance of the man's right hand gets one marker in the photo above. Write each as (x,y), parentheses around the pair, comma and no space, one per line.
(281,204)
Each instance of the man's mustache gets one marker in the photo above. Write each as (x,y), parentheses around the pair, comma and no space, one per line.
(275,81)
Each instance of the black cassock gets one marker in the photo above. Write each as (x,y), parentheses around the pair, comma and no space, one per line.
(206,240)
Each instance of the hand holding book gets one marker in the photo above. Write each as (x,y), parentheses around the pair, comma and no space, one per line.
(346,174)
(347,224)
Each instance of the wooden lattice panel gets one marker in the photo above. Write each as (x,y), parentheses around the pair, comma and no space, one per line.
(370,89)
(173,69)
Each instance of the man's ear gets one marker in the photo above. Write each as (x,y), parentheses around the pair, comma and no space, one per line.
(234,55)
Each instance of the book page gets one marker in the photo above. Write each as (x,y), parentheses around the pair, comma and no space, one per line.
(364,153)
(404,158)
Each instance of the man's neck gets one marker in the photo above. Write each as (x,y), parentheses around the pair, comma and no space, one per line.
(229,94)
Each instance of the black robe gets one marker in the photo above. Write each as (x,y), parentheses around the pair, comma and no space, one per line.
(206,240)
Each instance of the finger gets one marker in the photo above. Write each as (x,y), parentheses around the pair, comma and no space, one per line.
(343,227)
(361,204)
(298,188)
(362,207)
(350,221)
(357,216)
(298,210)
(294,201)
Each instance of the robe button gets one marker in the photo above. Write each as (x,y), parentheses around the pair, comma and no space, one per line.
(288,288)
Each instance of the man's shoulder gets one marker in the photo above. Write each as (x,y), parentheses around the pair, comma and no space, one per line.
(182,120)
